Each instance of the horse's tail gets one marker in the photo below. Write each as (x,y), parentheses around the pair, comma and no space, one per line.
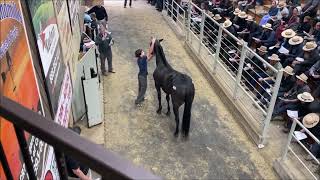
(187,112)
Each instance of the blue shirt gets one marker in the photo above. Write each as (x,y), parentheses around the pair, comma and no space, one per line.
(143,65)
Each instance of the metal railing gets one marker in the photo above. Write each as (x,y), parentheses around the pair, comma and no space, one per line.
(64,141)
(231,61)
(288,147)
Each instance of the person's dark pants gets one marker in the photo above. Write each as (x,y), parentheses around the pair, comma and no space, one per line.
(159,5)
(315,149)
(142,82)
(103,57)
(281,107)
(125,3)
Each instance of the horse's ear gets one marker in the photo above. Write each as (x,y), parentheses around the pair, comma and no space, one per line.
(160,40)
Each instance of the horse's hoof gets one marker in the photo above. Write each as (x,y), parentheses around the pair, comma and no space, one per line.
(168,113)
(185,136)
(159,111)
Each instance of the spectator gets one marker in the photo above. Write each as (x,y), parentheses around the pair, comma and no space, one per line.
(311,121)
(283,12)
(289,99)
(101,13)
(304,27)
(310,57)
(295,50)
(302,107)
(311,8)
(74,168)
(104,42)
(293,18)
(268,37)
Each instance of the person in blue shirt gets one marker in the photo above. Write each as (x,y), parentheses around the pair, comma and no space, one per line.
(142,61)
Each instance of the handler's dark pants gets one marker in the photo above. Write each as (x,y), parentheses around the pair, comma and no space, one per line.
(103,57)
(142,80)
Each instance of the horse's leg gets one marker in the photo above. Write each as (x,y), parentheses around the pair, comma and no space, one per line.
(176,114)
(168,102)
(159,99)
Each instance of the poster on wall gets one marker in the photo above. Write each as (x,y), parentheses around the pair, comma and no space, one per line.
(18,83)
(48,42)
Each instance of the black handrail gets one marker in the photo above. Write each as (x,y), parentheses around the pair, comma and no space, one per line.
(108,164)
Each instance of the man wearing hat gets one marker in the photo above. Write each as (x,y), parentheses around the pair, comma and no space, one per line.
(268,36)
(287,83)
(251,28)
(295,50)
(311,121)
(314,74)
(310,56)
(290,98)
(241,23)
(302,107)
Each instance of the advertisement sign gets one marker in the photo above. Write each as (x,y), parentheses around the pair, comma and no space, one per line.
(48,42)
(18,83)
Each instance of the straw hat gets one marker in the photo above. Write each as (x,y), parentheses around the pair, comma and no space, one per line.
(227,23)
(274,57)
(288,70)
(210,13)
(288,33)
(262,49)
(303,77)
(236,11)
(282,5)
(310,120)
(217,17)
(242,14)
(309,46)
(267,26)
(249,18)
(305,97)
(295,40)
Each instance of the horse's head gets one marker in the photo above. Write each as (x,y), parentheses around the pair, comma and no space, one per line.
(157,45)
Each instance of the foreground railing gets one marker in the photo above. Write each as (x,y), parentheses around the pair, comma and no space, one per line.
(232,62)
(64,141)
(297,154)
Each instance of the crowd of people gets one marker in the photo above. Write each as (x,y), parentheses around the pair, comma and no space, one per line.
(287,38)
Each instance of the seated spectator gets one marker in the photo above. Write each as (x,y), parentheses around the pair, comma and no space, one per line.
(294,18)
(310,57)
(282,42)
(76,169)
(287,83)
(304,27)
(273,11)
(315,36)
(311,121)
(295,50)
(283,11)
(302,107)
(314,74)
(241,23)
(250,29)
(290,99)
(268,37)
(311,8)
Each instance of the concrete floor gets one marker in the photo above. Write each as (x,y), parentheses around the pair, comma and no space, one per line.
(217,147)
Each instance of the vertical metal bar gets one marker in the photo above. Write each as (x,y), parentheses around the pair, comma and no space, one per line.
(240,69)
(216,59)
(5,164)
(271,106)
(285,152)
(189,20)
(61,164)
(171,7)
(184,24)
(25,152)
(203,17)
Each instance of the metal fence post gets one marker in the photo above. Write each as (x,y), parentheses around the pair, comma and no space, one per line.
(216,58)
(171,8)
(203,17)
(240,69)
(184,24)
(271,106)
(285,151)
(189,20)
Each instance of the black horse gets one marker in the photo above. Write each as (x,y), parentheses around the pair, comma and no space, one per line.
(176,84)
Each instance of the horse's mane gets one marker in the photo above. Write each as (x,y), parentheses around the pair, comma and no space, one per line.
(160,54)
